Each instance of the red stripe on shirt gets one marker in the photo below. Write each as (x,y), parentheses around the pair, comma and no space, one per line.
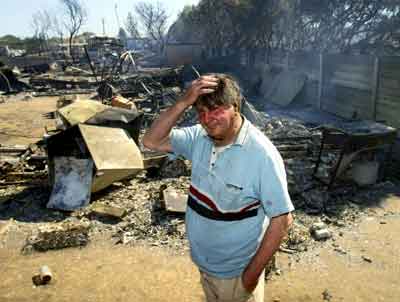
(203,198)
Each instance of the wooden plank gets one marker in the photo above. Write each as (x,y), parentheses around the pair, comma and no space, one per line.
(351,84)
(390,60)
(390,83)
(353,69)
(388,103)
(389,76)
(337,110)
(389,117)
(348,73)
(13,149)
(350,94)
(389,71)
(383,109)
(388,92)
(395,99)
(346,101)
(334,59)
(352,76)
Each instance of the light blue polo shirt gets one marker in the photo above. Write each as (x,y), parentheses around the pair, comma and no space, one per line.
(248,174)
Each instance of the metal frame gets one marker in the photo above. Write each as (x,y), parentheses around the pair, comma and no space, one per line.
(351,145)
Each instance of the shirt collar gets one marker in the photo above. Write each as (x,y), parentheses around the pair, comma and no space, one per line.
(242,135)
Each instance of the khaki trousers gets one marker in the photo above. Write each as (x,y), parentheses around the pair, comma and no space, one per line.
(230,290)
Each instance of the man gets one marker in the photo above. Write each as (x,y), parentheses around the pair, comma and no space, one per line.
(238,207)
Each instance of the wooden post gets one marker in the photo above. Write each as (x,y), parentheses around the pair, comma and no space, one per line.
(321,79)
(375,86)
(287,60)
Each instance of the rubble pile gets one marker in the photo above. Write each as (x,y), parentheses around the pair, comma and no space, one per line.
(146,221)
(128,201)
(22,164)
(299,147)
(58,236)
(133,211)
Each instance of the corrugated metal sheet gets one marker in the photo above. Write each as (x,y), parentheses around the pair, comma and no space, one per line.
(347,102)
(349,82)
(307,63)
(388,99)
(347,89)
(310,95)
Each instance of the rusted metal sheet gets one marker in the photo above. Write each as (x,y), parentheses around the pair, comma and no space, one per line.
(388,98)
(349,71)
(347,86)
(353,139)
(285,87)
(113,151)
(114,154)
(347,102)
(81,111)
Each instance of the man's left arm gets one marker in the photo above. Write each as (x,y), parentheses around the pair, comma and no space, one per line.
(276,231)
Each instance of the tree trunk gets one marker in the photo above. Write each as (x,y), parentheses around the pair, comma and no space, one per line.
(70,48)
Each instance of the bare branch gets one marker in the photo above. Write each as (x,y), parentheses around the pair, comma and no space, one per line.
(75,17)
(131,26)
(154,18)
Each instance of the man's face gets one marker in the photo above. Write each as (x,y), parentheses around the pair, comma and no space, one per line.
(217,121)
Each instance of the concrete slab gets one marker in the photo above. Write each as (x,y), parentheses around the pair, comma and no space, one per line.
(3,227)
(175,201)
(284,87)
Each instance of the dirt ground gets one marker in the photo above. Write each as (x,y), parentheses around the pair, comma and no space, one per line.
(21,121)
(361,263)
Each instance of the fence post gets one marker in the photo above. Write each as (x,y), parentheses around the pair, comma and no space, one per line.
(287,60)
(321,79)
(375,86)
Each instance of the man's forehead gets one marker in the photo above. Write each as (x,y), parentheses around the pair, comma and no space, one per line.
(201,107)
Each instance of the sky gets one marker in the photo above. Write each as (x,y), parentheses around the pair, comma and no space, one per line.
(16,15)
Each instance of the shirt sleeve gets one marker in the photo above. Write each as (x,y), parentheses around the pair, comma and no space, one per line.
(183,140)
(274,193)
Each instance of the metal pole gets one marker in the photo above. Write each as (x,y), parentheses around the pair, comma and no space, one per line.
(321,79)
(90,64)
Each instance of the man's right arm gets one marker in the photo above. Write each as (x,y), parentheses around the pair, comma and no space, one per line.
(157,137)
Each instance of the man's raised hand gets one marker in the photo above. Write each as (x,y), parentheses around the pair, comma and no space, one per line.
(202,85)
